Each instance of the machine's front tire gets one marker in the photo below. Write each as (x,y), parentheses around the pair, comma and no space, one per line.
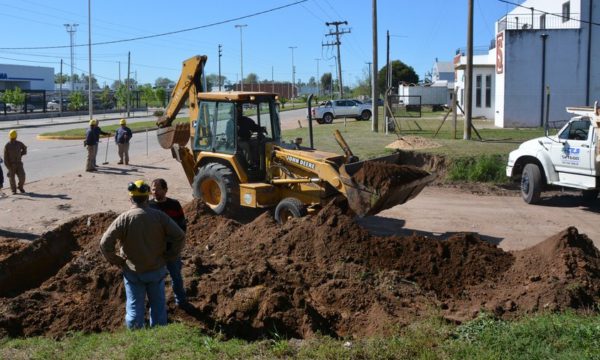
(531,184)
(218,187)
(289,208)
(327,118)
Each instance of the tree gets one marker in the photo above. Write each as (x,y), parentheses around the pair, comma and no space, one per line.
(251,78)
(15,97)
(147,94)
(115,85)
(400,73)
(106,98)
(212,81)
(163,82)
(85,81)
(121,95)
(76,101)
(61,79)
(161,96)
(326,83)
(312,82)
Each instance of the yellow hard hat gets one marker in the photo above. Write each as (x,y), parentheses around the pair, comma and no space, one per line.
(93,122)
(123,122)
(12,134)
(138,188)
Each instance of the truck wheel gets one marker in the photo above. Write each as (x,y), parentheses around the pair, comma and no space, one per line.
(289,208)
(589,196)
(327,118)
(365,115)
(319,121)
(531,184)
(217,186)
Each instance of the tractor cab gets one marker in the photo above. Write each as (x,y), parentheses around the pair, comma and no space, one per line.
(239,124)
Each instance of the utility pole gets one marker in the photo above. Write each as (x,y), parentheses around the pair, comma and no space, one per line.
(60,99)
(220,54)
(241,56)
(272,80)
(90,97)
(337,43)
(388,84)
(71,29)
(469,76)
(318,80)
(127,83)
(293,74)
(119,73)
(374,97)
(369,63)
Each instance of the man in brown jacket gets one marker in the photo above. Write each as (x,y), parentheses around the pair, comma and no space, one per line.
(13,151)
(143,233)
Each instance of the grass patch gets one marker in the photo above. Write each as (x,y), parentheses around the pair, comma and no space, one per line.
(79,133)
(555,336)
(489,168)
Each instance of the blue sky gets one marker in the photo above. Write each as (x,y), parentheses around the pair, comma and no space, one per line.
(421,31)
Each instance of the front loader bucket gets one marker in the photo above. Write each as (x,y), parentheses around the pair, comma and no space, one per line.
(169,135)
(378,184)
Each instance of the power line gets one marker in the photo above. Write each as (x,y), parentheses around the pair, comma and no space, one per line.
(549,13)
(163,34)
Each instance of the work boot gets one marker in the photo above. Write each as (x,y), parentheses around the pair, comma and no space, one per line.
(120,162)
(21,190)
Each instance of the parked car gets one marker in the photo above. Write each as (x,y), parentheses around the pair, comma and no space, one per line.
(379,102)
(334,109)
(9,107)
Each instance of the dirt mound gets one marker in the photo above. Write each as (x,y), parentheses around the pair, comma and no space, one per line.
(383,176)
(320,274)
(410,142)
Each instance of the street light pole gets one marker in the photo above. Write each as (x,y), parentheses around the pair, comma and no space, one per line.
(241,26)
(293,74)
(71,29)
(318,80)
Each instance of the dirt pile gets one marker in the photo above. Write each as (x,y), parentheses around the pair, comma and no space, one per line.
(384,176)
(316,274)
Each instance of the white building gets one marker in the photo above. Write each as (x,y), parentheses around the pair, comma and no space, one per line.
(26,77)
(484,95)
(552,46)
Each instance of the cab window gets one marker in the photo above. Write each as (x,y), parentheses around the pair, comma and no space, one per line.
(215,128)
(576,130)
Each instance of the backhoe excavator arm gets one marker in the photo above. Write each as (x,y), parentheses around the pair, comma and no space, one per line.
(189,83)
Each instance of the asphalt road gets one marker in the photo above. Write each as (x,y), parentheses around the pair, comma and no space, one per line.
(49,158)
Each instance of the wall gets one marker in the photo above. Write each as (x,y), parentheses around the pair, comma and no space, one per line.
(26,77)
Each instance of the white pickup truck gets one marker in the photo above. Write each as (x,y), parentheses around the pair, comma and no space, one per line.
(569,159)
(334,109)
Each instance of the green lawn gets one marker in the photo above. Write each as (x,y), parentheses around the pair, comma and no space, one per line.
(556,336)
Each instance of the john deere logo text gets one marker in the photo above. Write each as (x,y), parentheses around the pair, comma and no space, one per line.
(301,162)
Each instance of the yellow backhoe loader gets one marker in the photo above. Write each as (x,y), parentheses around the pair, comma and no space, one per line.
(236,157)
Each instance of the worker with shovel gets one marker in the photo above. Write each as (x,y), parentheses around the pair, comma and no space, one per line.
(13,152)
(122,137)
(92,137)
(142,234)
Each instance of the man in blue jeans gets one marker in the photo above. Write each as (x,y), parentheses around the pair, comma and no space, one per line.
(172,208)
(142,233)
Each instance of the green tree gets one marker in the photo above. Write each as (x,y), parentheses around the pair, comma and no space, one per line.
(400,73)
(76,101)
(147,94)
(15,97)
(115,85)
(106,98)
(163,82)
(326,83)
(61,79)
(251,78)
(121,96)
(85,81)
(212,81)
(161,96)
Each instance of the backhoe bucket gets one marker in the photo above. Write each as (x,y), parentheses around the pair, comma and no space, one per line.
(378,184)
(169,135)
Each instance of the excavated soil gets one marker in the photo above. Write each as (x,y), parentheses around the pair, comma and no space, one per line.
(320,274)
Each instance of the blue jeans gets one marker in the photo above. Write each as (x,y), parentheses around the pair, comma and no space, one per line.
(174,268)
(137,286)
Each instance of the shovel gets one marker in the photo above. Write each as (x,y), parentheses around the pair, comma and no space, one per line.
(106,155)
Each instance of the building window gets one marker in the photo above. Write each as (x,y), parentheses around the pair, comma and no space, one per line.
(478,91)
(566,11)
(543,21)
(488,91)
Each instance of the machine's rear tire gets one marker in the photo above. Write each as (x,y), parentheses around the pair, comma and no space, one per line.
(589,196)
(531,184)
(365,115)
(327,118)
(218,187)
(289,208)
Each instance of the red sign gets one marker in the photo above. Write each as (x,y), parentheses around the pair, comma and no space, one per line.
(500,53)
